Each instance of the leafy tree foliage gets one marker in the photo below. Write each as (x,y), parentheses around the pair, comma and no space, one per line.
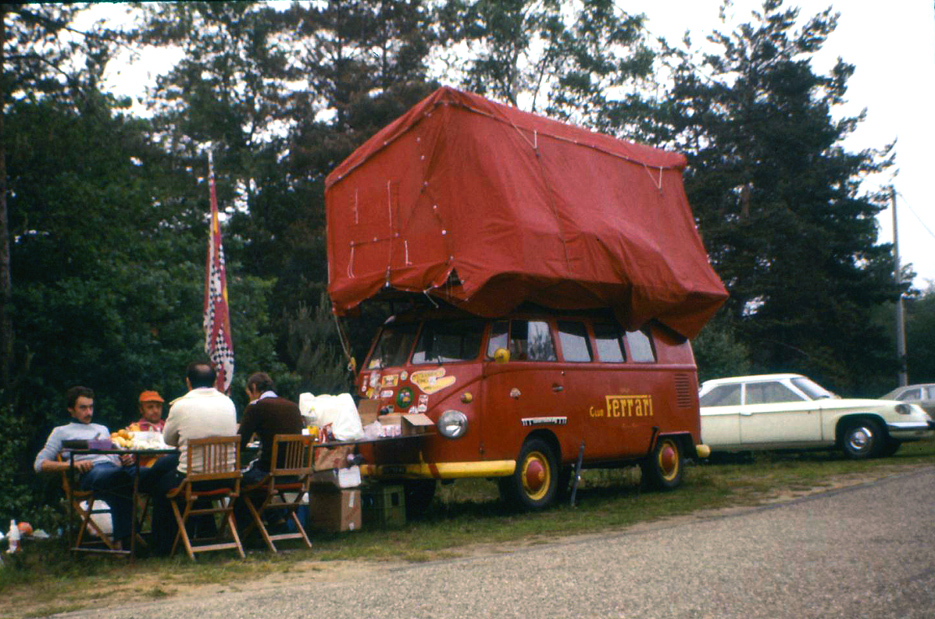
(229,94)
(38,70)
(356,48)
(108,283)
(365,63)
(587,62)
(34,58)
(107,258)
(718,351)
(778,201)
(282,97)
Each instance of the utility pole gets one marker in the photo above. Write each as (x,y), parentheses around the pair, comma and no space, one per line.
(900,317)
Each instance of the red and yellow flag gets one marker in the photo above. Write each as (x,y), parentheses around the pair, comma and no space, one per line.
(217,325)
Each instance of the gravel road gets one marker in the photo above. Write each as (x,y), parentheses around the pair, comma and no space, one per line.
(862,551)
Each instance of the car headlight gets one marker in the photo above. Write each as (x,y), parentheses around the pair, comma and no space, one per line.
(452,424)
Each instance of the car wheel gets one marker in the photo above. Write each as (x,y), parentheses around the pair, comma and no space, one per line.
(419,494)
(662,470)
(862,439)
(534,483)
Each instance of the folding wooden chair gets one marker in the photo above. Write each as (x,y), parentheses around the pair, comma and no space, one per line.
(216,481)
(284,487)
(81,505)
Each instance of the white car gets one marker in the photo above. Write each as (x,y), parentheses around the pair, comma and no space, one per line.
(789,411)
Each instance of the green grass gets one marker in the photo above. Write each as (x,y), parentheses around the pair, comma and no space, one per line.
(46,579)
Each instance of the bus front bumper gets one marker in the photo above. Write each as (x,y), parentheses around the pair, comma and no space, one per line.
(439,470)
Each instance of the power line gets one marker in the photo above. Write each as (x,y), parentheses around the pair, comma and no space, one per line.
(911,210)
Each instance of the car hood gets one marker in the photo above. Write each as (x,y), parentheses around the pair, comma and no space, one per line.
(836,403)
(880,406)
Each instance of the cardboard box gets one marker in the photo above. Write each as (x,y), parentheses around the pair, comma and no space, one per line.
(331,510)
(338,478)
(327,458)
(368,410)
(391,419)
(384,506)
(411,424)
(417,423)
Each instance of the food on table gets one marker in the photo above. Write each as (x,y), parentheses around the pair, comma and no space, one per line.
(132,437)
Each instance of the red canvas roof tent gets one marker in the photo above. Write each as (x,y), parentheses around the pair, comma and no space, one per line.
(487,207)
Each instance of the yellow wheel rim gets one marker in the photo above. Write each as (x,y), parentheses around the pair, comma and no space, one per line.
(536,475)
(667,459)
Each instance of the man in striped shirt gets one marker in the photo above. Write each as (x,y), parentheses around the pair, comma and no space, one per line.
(106,475)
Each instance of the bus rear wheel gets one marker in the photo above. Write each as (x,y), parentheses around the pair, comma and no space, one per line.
(534,483)
(662,470)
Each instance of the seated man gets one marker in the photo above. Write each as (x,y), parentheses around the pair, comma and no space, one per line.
(105,475)
(266,416)
(201,413)
(150,404)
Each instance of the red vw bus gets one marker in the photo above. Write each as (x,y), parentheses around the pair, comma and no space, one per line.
(517,398)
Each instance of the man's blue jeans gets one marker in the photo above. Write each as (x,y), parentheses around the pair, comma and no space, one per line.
(113,484)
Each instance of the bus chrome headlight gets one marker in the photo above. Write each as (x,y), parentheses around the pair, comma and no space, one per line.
(452,424)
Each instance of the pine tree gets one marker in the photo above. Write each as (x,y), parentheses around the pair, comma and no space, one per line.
(587,63)
(778,198)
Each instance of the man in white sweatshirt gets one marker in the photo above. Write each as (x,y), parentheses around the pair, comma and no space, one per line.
(201,413)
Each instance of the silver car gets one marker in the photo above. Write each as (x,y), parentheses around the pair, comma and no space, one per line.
(923,395)
(790,411)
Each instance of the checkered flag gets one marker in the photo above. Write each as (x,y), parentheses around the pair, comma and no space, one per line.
(217,325)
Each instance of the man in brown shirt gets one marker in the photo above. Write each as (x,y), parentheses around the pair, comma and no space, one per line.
(266,416)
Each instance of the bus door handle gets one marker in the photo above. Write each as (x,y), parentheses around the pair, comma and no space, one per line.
(556,388)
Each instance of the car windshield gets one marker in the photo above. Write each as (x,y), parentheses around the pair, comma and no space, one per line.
(393,347)
(448,341)
(811,388)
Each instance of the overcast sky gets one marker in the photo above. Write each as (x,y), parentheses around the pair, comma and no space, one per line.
(893,50)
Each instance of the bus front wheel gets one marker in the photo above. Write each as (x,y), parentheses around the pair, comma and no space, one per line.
(534,483)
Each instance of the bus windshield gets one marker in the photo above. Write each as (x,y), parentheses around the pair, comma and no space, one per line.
(449,341)
(393,347)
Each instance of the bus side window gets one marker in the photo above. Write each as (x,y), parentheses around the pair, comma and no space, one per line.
(641,346)
(609,343)
(531,340)
(499,337)
(576,347)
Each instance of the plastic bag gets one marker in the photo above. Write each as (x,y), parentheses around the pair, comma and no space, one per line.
(372,431)
(307,409)
(337,410)
(102,520)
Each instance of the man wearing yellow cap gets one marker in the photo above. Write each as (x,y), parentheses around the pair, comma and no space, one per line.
(151,412)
